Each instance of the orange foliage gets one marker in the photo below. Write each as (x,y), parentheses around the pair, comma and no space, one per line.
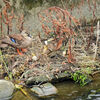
(59,44)
(6,17)
(70,56)
(20,22)
(58,21)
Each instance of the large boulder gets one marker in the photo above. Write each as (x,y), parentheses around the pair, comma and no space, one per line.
(6,89)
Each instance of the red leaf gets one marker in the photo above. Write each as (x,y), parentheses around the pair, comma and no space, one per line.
(59,44)
(70,56)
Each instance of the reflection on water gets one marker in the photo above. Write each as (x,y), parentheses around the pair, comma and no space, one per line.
(92,95)
(70,91)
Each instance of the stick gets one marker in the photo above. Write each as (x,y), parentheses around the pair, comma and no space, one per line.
(97,40)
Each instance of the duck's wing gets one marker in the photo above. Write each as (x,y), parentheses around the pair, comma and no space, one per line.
(8,41)
(17,37)
(20,41)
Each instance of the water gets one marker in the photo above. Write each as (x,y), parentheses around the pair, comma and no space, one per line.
(69,90)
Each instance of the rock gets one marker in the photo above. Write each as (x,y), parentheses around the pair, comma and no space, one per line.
(44,90)
(6,89)
(51,77)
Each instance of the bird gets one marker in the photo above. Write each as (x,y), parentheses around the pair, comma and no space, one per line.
(18,41)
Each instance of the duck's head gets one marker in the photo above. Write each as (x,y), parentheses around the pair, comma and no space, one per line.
(25,34)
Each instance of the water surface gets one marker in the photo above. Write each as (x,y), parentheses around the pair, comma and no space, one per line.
(68,90)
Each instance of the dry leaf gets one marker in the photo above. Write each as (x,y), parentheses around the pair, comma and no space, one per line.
(59,44)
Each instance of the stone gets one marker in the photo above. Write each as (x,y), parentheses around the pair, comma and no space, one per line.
(44,90)
(6,89)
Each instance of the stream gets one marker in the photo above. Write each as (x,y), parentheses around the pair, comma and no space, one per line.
(68,90)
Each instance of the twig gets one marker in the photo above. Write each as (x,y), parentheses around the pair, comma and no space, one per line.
(96,46)
(5,65)
(1,22)
(96,72)
(63,4)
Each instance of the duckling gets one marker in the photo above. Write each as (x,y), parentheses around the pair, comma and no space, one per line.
(18,41)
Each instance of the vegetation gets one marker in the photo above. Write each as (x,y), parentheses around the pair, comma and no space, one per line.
(58,21)
(5,66)
(80,78)
(63,35)
(63,46)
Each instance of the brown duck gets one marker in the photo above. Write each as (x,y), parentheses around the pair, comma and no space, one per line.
(18,41)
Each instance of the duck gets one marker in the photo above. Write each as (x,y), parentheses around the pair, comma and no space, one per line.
(19,41)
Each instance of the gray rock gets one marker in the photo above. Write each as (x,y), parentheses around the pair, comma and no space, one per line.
(6,89)
(44,90)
